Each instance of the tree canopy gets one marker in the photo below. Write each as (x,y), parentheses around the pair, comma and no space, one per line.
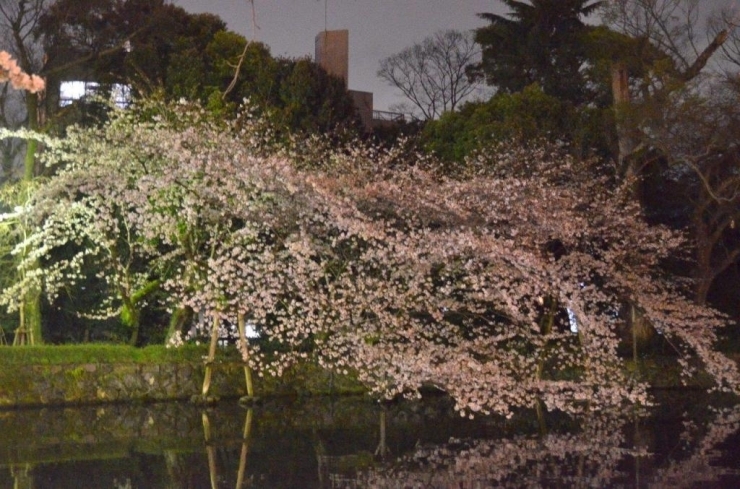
(501,289)
(524,117)
(159,48)
(541,42)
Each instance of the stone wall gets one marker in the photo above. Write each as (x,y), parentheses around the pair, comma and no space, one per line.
(46,385)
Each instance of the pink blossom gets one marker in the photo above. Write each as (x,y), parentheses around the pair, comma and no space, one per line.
(372,261)
(10,71)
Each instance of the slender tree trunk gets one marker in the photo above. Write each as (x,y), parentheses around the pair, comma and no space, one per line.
(246,435)
(621,96)
(210,451)
(32,317)
(629,166)
(29,163)
(635,317)
(626,141)
(245,353)
(382,449)
(211,356)
(179,318)
(541,422)
(548,320)
(31,305)
(705,272)
(131,319)
(701,291)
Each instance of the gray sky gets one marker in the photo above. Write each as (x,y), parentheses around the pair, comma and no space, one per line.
(377,28)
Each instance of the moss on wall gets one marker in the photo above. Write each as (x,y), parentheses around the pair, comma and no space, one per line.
(125,374)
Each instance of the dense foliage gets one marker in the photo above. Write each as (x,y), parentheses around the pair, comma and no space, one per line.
(652,89)
(524,116)
(157,48)
(539,42)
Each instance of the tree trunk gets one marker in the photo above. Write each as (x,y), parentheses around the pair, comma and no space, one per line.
(29,162)
(130,317)
(636,323)
(180,317)
(245,353)
(702,291)
(704,271)
(547,322)
(246,435)
(626,141)
(621,96)
(32,300)
(32,317)
(211,355)
(210,451)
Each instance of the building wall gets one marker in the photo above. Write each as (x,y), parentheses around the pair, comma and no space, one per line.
(363,102)
(332,53)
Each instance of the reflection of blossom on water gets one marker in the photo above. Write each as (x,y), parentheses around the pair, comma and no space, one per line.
(596,456)
(701,467)
(519,461)
(124,484)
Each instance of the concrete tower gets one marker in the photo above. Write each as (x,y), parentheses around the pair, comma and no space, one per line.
(332,53)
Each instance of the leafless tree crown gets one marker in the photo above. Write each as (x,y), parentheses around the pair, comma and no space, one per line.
(431,74)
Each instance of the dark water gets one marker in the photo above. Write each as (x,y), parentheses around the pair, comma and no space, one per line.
(689,441)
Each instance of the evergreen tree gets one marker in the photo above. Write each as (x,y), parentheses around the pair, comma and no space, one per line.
(540,42)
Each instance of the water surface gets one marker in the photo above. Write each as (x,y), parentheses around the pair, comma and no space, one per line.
(689,441)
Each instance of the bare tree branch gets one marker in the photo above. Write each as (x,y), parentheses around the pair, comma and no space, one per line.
(671,26)
(701,61)
(238,66)
(432,74)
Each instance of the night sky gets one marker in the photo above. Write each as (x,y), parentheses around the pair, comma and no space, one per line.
(377,28)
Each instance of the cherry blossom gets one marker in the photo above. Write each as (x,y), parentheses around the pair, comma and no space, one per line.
(501,286)
(10,71)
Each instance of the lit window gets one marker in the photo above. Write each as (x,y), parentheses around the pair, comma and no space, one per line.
(71,91)
(573,320)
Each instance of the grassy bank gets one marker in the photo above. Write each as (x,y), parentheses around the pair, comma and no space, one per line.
(105,353)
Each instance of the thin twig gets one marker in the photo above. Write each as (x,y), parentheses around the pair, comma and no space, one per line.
(707,185)
(238,67)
